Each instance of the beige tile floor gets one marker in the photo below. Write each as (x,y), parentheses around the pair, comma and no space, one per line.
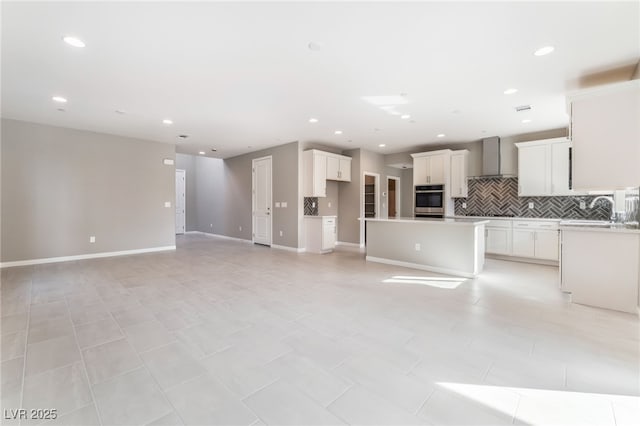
(223,332)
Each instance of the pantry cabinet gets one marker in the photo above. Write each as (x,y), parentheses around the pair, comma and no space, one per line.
(544,167)
(431,168)
(605,131)
(459,174)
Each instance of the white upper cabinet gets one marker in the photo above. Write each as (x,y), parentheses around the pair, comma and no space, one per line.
(320,166)
(431,168)
(459,174)
(605,131)
(338,167)
(543,167)
(315,173)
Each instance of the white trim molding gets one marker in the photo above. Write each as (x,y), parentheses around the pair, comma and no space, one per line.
(343,243)
(287,248)
(84,256)
(419,266)
(224,237)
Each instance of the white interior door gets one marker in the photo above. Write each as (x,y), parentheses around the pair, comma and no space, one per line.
(180,201)
(261,170)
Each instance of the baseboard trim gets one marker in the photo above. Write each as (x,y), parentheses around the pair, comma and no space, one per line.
(224,237)
(419,266)
(343,243)
(83,256)
(287,248)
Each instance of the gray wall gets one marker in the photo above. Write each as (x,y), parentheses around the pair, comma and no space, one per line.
(210,189)
(349,202)
(237,200)
(59,186)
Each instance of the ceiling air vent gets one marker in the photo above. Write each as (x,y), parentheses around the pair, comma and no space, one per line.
(523,108)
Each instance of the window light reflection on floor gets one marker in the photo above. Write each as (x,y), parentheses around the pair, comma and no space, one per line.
(549,406)
(439,282)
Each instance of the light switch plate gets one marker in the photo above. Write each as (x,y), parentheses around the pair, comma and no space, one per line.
(329,204)
(284,204)
(168,162)
(167,203)
(92,239)
(277,204)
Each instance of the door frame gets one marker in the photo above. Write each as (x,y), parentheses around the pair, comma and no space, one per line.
(377,201)
(184,214)
(253,198)
(398,204)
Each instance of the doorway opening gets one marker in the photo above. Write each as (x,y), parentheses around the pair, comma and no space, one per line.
(393,196)
(370,202)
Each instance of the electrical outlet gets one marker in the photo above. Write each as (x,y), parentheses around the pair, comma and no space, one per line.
(329,204)
(531,204)
(464,205)
(281,233)
(211,225)
(313,205)
(240,228)
(583,205)
(92,239)
(417,246)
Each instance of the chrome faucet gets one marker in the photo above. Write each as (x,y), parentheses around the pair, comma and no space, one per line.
(609,199)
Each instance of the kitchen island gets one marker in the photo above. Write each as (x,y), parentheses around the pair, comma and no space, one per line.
(449,246)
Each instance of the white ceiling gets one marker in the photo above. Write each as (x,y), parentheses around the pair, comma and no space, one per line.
(240,77)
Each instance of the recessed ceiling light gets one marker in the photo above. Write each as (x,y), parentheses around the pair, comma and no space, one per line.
(526,120)
(73,41)
(59,99)
(544,51)
(315,46)
(382,145)
(183,137)
(313,120)
(213,150)
(510,91)
(441,135)
(202,153)
(405,116)
(61,109)
(338,132)
(119,111)
(167,121)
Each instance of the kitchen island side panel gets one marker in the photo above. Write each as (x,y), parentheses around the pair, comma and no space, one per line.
(441,247)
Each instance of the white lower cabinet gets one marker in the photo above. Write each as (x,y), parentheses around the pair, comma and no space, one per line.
(320,233)
(498,237)
(536,239)
(530,239)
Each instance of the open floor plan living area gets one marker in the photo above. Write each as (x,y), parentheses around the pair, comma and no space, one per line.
(320,213)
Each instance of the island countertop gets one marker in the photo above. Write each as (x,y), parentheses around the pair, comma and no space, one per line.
(435,221)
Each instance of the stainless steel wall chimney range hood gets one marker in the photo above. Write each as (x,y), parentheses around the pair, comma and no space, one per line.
(491,161)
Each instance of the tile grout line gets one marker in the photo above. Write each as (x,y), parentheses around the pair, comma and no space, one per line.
(26,344)
(84,363)
(146,368)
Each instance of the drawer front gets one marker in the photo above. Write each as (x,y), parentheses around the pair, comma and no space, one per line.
(329,220)
(499,224)
(536,224)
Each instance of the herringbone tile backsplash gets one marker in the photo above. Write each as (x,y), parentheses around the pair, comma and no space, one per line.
(311,206)
(499,196)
